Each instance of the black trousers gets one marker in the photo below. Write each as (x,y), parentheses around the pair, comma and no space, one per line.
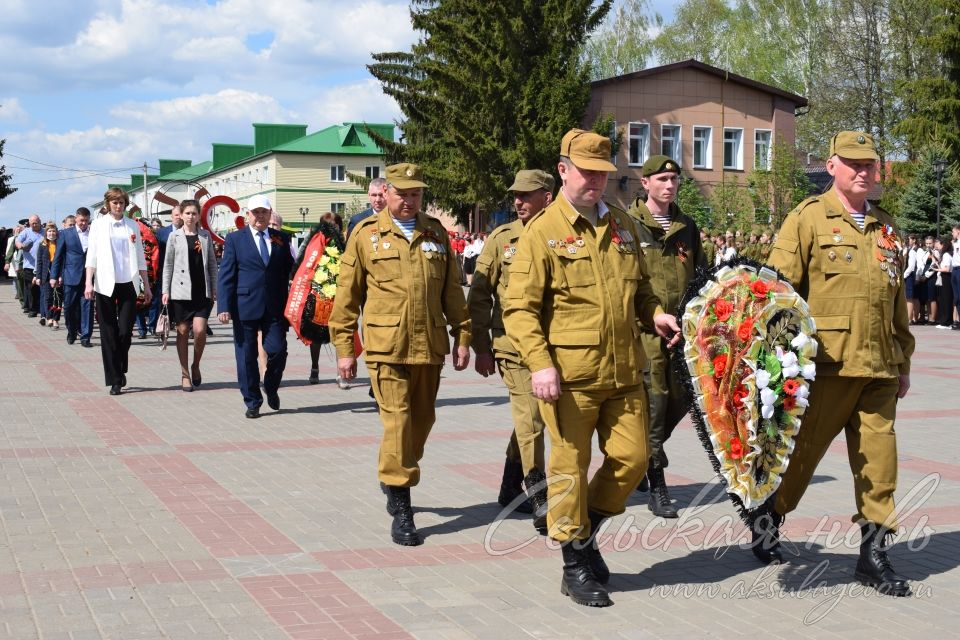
(31,292)
(116,313)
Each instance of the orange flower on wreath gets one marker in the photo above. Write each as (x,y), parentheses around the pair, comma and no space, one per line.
(789,403)
(759,288)
(736,448)
(720,365)
(723,308)
(745,330)
(790,387)
(739,395)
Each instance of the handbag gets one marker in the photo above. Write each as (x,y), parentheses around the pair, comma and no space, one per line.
(163,327)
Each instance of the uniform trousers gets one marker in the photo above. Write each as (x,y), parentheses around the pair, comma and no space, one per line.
(619,418)
(116,313)
(406,395)
(865,410)
(526,441)
(668,399)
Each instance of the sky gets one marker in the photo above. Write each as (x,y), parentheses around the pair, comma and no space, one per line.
(92,89)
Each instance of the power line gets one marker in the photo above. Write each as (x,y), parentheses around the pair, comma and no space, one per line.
(55,166)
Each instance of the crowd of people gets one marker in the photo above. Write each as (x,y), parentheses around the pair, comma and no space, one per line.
(572,304)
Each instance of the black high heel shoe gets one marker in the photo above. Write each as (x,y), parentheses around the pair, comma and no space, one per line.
(195,375)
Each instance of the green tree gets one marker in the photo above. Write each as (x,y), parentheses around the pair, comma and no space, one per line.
(781,187)
(930,83)
(623,44)
(732,206)
(489,89)
(918,205)
(605,126)
(5,188)
(691,201)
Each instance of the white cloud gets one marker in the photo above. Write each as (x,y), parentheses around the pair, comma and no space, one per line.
(12,111)
(232,105)
(358,102)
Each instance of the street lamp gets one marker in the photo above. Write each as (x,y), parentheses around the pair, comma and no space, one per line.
(303,217)
(939,166)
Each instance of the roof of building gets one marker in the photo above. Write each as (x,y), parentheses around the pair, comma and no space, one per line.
(723,74)
(346,139)
(188,173)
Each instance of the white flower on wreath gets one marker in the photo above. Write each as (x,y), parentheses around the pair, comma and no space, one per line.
(763,378)
(798,342)
(790,364)
(803,391)
(768,397)
(809,371)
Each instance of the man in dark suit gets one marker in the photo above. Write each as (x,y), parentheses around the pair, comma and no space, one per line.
(68,269)
(252,291)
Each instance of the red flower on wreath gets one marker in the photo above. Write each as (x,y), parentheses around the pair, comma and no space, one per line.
(759,288)
(790,387)
(745,330)
(723,309)
(789,403)
(720,365)
(739,395)
(736,448)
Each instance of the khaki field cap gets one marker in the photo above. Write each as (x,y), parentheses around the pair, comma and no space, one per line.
(528,180)
(587,150)
(659,164)
(405,176)
(853,145)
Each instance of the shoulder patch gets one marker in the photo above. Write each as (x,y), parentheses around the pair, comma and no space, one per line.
(366,222)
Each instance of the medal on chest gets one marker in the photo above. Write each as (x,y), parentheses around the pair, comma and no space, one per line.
(681,251)
(888,253)
(621,238)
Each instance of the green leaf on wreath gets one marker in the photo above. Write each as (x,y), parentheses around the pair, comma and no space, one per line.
(772,365)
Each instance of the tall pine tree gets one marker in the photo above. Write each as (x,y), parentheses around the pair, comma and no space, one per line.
(489,89)
(918,205)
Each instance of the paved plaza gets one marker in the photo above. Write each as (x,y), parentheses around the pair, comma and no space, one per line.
(161,514)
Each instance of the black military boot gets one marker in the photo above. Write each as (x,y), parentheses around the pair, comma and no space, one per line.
(536,484)
(765,534)
(403,530)
(659,501)
(600,570)
(511,486)
(644,485)
(578,580)
(874,567)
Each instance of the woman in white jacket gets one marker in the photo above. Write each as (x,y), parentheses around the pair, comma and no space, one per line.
(116,273)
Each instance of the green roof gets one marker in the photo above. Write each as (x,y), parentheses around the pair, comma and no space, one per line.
(346,139)
(188,173)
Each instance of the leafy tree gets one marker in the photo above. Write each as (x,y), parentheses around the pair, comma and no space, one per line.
(691,201)
(605,126)
(781,187)
(732,206)
(930,83)
(5,188)
(623,44)
(489,89)
(918,205)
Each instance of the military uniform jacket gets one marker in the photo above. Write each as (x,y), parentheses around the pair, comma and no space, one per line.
(672,256)
(855,297)
(489,287)
(575,296)
(409,291)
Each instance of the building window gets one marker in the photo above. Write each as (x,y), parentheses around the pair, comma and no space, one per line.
(266,173)
(338,173)
(338,207)
(702,147)
(670,142)
(639,140)
(733,149)
(761,150)
(373,172)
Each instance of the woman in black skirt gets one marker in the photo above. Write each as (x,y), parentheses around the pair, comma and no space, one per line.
(189,288)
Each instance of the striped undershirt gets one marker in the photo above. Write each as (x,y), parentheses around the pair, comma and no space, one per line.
(860,219)
(663,221)
(407,226)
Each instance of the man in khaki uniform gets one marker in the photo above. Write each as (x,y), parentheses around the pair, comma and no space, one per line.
(841,254)
(709,249)
(398,269)
(670,244)
(578,287)
(532,191)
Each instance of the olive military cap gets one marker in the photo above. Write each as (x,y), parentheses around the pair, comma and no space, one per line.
(853,145)
(658,164)
(587,150)
(532,179)
(405,176)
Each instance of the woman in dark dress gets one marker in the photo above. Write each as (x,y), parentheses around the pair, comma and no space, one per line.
(190,288)
(50,296)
